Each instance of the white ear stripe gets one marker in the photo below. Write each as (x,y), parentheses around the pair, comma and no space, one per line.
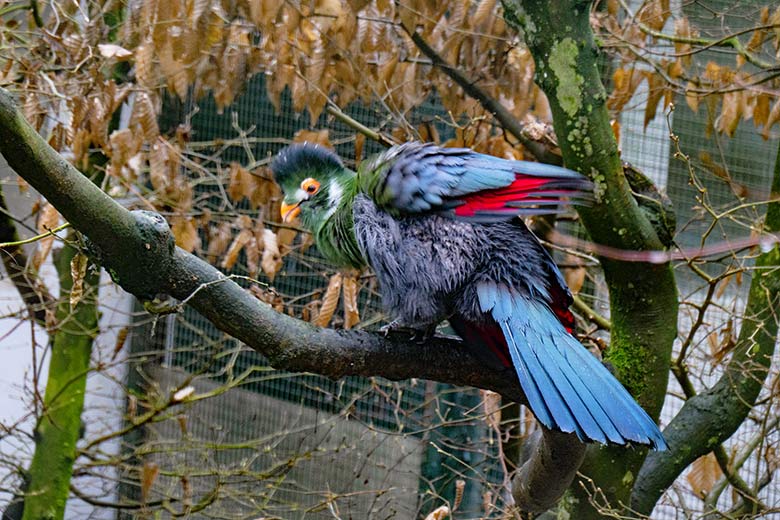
(335,192)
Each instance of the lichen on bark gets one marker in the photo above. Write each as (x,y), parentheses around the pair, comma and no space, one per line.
(563,63)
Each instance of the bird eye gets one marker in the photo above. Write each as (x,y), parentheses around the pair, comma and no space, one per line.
(310,186)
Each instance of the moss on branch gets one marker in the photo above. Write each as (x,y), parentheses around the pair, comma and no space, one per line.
(59,426)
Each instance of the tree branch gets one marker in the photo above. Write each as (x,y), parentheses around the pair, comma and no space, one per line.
(138,249)
(709,418)
(507,120)
(32,291)
(643,296)
(731,40)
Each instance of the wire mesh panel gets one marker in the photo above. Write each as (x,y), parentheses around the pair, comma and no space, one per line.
(281,445)
(718,184)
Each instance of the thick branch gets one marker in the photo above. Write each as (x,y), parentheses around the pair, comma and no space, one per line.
(711,417)
(643,297)
(138,249)
(57,431)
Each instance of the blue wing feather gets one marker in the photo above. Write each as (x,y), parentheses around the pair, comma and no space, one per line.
(420,177)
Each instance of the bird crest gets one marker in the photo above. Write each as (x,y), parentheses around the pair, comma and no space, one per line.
(301,159)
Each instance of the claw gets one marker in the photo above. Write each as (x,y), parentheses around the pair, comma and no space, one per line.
(393,326)
(419,334)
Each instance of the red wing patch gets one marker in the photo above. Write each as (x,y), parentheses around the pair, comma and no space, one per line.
(497,200)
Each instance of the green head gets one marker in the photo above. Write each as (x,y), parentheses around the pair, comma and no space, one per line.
(314,182)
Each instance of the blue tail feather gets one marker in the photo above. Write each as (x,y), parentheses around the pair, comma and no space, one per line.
(542,388)
(593,426)
(637,425)
(567,388)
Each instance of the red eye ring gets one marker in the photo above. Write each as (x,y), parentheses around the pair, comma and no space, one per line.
(310,185)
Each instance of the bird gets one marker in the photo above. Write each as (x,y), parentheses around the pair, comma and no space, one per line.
(443,231)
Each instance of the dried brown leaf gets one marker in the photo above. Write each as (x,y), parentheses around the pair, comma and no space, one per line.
(310,311)
(350,300)
(149,474)
(691,97)
(121,338)
(78,270)
(144,64)
(704,473)
(298,91)
(761,109)
(460,488)
(145,114)
(31,109)
(329,301)
(123,145)
(252,251)
(654,14)
(231,257)
(263,12)
(615,124)
(110,50)
(48,218)
(264,191)
(730,113)
(727,343)
(775,21)
(158,166)
(241,183)
(272,260)
(360,142)
(625,82)
(440,513)
(491,402)
(655,91)
(772,458)
(484,14)
(714,167)
(285,237)
(759,36)
(215,27)
(233,64)
(386,70)
(185,232)
(175,71)
(682,29)
(575,278)
(321,137)
(772,118)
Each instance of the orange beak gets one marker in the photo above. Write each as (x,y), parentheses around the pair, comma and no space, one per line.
(290,211)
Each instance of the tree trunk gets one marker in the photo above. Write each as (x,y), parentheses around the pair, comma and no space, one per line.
(643,296)
(59,426)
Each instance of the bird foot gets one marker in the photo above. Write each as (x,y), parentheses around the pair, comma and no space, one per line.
(417,333)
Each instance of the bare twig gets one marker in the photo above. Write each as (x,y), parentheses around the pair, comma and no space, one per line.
(507,120)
